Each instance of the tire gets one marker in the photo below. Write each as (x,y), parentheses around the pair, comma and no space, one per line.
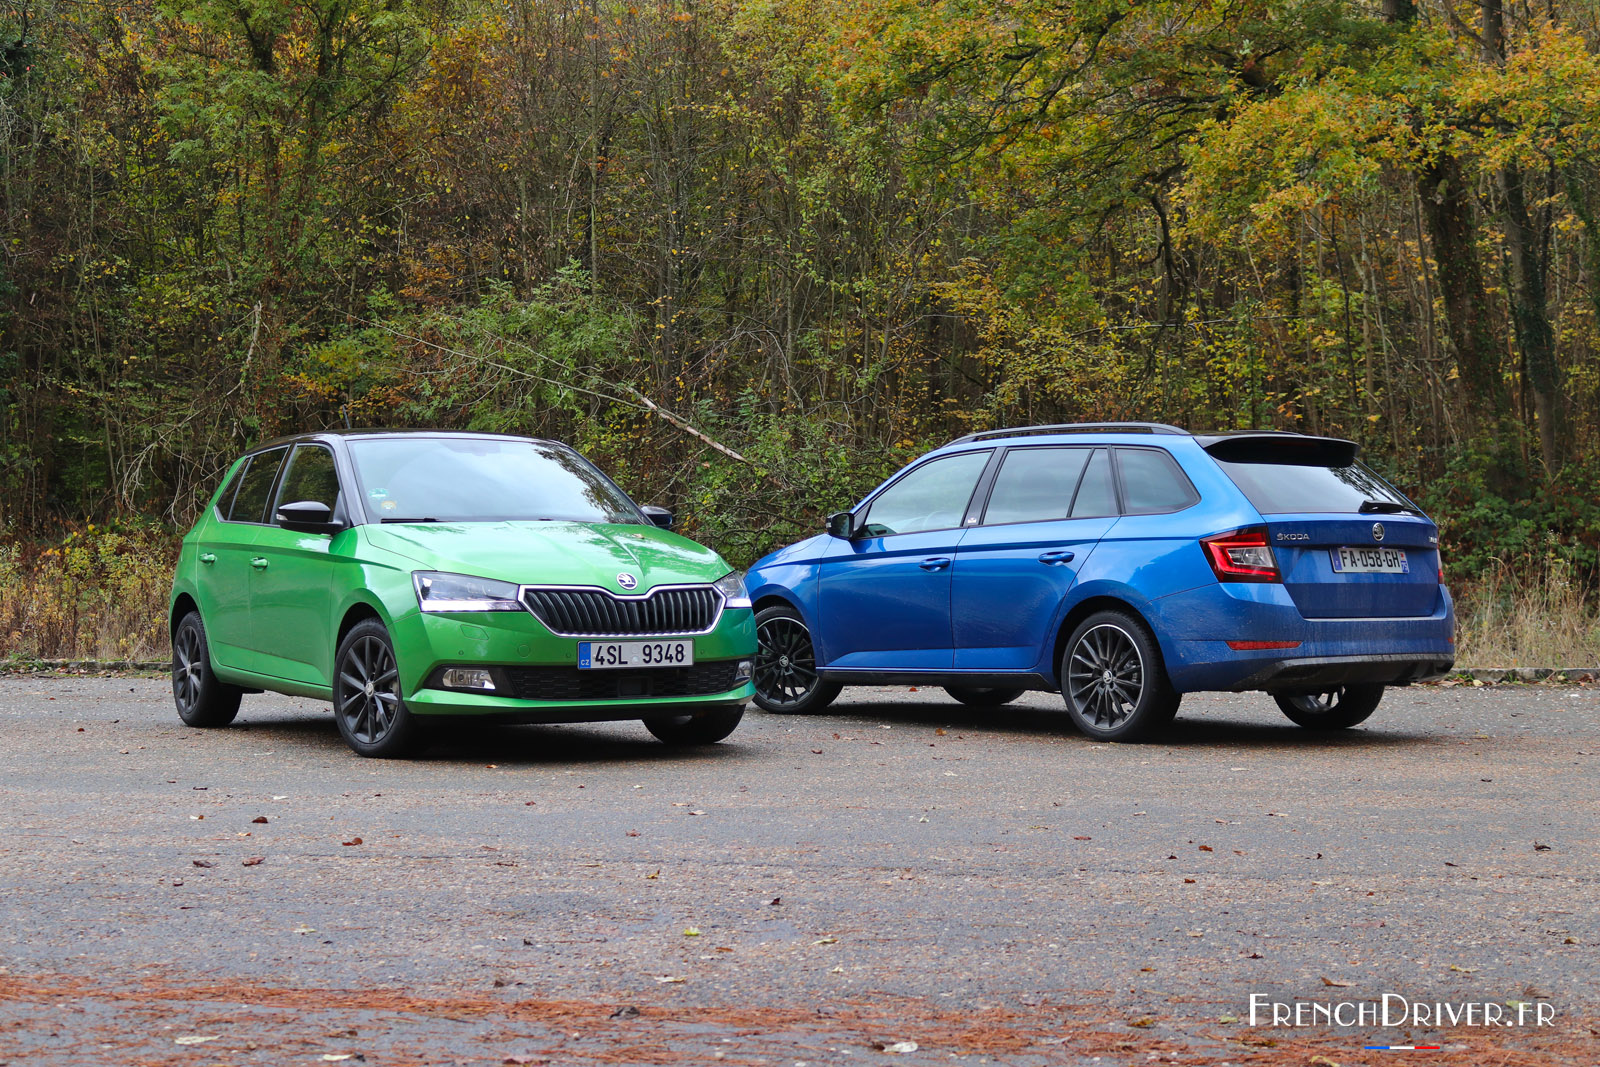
(976,697)
(701,728)
(786,678)
(1333,709)
(1113,681)
(202,698)
(372,715)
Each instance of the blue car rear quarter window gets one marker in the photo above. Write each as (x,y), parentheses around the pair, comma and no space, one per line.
(1152,484)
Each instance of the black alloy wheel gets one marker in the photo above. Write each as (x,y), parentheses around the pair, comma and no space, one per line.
(372,716)
(1333,709)
(1112,679)
(202,698)
(786,678)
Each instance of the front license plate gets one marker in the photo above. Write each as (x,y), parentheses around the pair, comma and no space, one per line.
(1370,560)
(603,655)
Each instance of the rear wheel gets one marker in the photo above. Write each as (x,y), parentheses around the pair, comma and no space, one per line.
(373,717)
(976,697)
(202,698)
(702,728)
(1112,679)
(786,678)
(1332,709)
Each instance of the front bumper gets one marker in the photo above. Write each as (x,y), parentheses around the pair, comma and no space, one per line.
(1196,626)
(537,677)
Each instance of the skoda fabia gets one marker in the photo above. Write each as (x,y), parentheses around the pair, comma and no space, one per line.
(1121,564)
(418,577)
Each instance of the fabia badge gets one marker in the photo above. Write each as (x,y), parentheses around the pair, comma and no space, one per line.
(1377,531)
(628,581)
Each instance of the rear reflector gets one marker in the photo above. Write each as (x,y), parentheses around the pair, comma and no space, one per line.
(1241,556)
(1255,646)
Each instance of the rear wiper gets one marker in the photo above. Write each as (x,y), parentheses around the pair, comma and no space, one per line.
(409,520)
(1385,507)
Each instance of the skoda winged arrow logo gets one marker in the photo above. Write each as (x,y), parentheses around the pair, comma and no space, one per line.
(1377,531)
(628,581)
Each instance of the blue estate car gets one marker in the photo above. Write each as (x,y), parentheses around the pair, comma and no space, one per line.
(1123,564)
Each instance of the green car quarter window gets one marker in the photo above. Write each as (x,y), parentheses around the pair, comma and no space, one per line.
(1096,494)
(478,479)
(255,487)
(1152,484)
(311,476)
(932,497)
(1035,484)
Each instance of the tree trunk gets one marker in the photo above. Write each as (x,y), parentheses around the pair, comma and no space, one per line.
(1531,317)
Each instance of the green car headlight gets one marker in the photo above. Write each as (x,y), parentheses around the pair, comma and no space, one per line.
(734,594)
(437,591)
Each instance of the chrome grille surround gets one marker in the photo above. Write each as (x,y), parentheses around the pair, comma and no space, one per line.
(592,611)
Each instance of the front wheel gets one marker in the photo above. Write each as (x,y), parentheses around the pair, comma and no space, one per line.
(786,678)
(1112,679)
(704,728)
(1333,709)
(373,717)
(975,697)
(203,699)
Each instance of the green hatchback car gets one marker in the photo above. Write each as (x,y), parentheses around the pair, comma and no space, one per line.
(413,577)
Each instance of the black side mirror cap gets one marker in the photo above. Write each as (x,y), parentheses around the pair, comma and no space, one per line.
(660,516)
(842,524)
(306,516)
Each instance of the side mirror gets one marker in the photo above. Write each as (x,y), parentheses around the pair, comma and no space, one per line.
(842,524)
(660,516)
(306,516)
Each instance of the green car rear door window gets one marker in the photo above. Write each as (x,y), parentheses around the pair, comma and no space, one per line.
(255,487)
(311,476)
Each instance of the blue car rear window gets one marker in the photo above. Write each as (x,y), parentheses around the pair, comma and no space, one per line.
(1289,488)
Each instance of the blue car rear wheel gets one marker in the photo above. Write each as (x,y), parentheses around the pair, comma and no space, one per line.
(1112,679)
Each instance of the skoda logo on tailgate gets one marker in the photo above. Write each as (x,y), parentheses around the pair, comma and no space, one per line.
(1377,531)
(628,581)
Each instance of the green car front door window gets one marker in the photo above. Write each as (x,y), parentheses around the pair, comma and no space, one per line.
(442,479)
(255,487)
(311,475)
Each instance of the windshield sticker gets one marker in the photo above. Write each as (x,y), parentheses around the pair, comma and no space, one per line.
(378,494)
(388,505)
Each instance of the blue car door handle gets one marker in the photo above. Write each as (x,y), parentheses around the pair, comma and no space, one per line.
(937,563)
(1050,559)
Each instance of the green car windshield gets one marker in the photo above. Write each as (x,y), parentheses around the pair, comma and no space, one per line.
(454,479)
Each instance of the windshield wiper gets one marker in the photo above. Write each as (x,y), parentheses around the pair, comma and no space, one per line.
(1386,507)
(408,520)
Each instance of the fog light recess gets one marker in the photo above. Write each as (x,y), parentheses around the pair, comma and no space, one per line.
(467,678)
(746,668)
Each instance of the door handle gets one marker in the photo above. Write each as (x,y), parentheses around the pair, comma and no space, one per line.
(937,563)
(208,557)
(259,563)
(1050,559)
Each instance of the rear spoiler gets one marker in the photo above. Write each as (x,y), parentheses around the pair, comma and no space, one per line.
(1287,448)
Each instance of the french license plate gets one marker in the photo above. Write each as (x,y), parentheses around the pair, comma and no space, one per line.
(1370,560)
(604,655)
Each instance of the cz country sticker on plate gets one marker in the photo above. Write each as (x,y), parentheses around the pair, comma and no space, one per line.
(603,655)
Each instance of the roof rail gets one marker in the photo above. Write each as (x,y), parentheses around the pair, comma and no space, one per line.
(1075,427)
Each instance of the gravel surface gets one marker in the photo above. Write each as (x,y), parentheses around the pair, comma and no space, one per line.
(986,884)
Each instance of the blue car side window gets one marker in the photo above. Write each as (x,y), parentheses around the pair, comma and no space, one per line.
(932,497)
(1035,485)
(1097,495)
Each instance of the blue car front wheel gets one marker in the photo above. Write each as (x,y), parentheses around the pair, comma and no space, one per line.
(1112,679)
(787,680)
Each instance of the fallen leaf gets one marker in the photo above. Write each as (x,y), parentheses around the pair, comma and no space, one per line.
(693,931)
(204,863)
(1207,848)
(697,813)
(827,941)
(1335,983)
(1081,838)
(670,979)
(653,874)
(816,752)
(259,818)
(195,1039)
(334,1057)
(1537,847)
(304,929)
(352,841)
(897,1047)
(1142,1022)
(255,861)
(774,902)
(627,1011)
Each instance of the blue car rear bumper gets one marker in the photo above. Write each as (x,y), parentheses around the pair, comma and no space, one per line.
(1195,627)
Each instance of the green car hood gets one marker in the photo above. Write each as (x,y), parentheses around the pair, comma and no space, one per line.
(553,553)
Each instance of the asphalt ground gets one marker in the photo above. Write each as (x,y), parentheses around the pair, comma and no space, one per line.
(988,885)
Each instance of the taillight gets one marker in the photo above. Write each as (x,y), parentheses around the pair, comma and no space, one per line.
(1241,556)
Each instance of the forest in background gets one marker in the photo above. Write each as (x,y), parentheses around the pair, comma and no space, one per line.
(826,236)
